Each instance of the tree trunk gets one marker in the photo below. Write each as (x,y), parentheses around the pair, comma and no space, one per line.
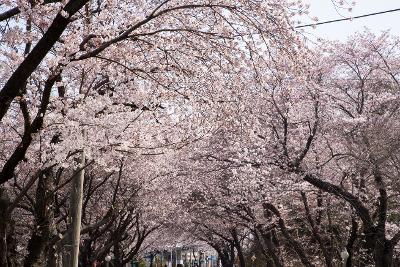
(86,252)
(226,262)
(265,240)
(152,258)
(351,241)
(383,254)
(225,255)
(38,245)
(379,247)
(238,246)
(4,225)
(118,256)
(11,245)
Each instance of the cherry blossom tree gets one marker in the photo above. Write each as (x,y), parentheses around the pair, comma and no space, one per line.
(77,65)
(203,119)
(309,134)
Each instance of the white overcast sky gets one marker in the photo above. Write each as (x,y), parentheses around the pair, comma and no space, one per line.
(324,10)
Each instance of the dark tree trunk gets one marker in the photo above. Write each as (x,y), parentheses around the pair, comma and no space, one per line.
(12,245)
(379,247)
(118,256)
(4,226)
(383,253)
(38,245)
(86,252)
(53,257)
(242,261)
(225,254)
(383,256)
(226,261)
(238,246)
(268,246)
(351,241)
(151,260)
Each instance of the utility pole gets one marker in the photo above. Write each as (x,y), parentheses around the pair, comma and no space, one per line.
(77,196)
(76,208)
(171,257)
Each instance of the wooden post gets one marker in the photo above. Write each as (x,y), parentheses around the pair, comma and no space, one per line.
(72,240)
(76,210)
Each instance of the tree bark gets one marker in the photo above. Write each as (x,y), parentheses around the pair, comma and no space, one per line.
(351,241)
(226,261)
(226,254)
(238,246)
(38,245)
(265,240)
(11,245)
(379,247)
(4,225)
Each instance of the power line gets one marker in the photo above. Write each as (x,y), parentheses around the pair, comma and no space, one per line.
(350,18)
